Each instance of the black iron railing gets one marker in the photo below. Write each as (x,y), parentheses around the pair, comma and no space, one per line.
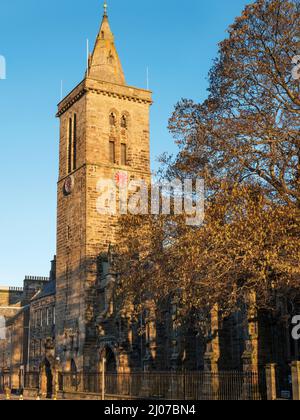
(5,382)
(169,386)
(32,380)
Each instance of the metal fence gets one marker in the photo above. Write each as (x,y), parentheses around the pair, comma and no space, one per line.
(5,381)
(32,380)
(170,386)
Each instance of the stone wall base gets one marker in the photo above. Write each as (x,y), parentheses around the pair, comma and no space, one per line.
(30,393)
(92,397)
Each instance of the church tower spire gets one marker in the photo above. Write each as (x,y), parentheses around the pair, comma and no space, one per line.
(104,133)
(104,64)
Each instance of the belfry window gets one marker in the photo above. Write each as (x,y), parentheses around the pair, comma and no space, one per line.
(75,142)
(112,120)
(72,144)
(124,121)
(112,152)
(123,154)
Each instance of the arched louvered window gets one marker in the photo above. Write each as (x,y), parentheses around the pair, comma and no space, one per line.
(70,136)
(75,142)
(124,123)
(72,144)
(112,119)
(112,151)
(123,154)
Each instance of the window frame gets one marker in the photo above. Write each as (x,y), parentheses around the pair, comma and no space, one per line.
(112,151)
(70,145)
(124,153)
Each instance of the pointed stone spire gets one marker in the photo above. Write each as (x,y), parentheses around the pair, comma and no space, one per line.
(104,63)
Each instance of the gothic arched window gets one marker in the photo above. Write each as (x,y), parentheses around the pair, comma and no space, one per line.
(75,142)
(112,119)
(124,123)
(112,151)
(123,154)
(72,144)
(74,371)
(70,141)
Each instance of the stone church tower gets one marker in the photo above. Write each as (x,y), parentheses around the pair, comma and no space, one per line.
(104,131)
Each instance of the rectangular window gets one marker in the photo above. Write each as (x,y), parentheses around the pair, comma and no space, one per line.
(54,315)
(47,316)
(70,146)
(72,342)
(75,142)
(112,152)
(38,317)
(123,154)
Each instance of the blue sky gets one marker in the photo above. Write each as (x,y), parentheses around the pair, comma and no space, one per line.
(44,42)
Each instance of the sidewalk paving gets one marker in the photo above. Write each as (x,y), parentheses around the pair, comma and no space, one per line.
(17,398)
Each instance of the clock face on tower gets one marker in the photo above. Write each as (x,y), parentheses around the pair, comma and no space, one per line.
(69,185)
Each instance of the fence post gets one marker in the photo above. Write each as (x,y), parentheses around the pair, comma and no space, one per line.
(271,382)
(212,377)
(56,383)
(103,378)
(296,380)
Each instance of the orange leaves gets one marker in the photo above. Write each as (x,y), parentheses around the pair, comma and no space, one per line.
(247,243)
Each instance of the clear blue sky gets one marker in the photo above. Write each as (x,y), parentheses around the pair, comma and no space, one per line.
(43,43)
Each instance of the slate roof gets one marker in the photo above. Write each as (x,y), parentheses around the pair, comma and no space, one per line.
(48,290)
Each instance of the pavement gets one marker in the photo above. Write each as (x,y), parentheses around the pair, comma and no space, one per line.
(17,398)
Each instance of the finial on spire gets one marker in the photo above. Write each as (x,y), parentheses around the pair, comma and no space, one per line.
(105,8)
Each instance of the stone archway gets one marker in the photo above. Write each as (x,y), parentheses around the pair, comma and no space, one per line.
(111,362)
(111,371)
(46,383)
(74,375)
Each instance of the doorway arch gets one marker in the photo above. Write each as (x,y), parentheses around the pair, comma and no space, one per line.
(111,362)
(111,385)
(74,376)
(46,379)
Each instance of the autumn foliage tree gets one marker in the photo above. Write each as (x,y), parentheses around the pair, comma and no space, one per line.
(244,141)
(246,244)
(248,128)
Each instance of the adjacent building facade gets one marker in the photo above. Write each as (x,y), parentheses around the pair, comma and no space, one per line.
(15,308)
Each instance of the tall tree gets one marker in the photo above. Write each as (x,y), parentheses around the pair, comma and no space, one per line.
(244,140)
(248,128)
(246,244)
